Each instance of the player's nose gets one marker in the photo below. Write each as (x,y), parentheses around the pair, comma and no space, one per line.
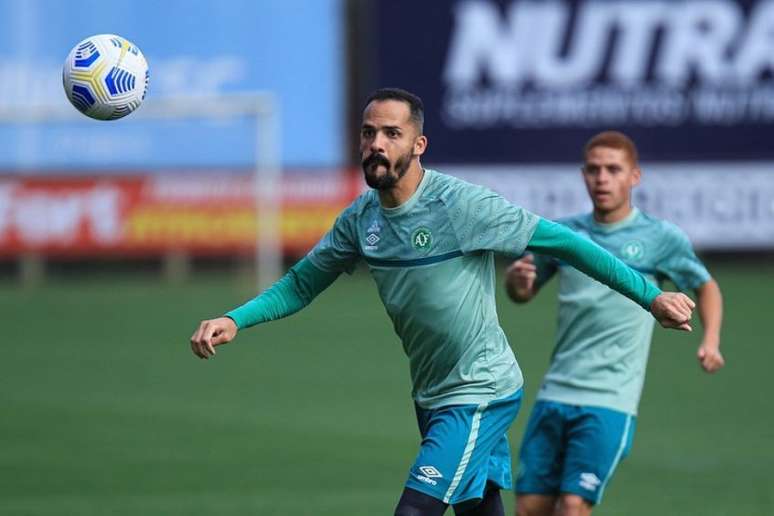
(377,144)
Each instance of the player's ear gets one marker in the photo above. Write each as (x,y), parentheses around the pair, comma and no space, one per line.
(636,175)
(420,145)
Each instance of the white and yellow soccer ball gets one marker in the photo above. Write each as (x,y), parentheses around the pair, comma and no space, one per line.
(105,77)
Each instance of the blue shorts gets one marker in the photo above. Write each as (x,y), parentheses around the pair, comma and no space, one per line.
(463,448)
(572,449)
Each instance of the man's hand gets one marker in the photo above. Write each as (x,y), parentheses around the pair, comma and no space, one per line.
(520,279)
(710,358)
(673,310)
(211,333)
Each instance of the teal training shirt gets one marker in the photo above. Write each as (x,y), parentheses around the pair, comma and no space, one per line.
(432,261)
(603,338)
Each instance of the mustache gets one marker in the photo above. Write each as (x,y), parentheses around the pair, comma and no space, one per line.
(376,159)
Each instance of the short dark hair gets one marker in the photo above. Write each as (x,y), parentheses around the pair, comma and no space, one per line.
(613,140)
(416,106)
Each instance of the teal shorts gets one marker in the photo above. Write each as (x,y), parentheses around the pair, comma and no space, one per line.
(572,449)
(464,447)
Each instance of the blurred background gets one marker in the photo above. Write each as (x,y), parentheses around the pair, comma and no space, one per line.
(116,238)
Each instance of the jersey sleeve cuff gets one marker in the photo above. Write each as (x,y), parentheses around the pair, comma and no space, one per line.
(652,293)
(234,316)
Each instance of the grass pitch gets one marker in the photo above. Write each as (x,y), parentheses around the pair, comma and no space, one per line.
(105,410)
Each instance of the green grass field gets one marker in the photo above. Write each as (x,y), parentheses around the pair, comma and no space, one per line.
(106,412)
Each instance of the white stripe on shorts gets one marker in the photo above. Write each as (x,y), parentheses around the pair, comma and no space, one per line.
(469,447)
(617,459)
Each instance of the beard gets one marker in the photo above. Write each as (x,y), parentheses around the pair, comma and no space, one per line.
(392,174)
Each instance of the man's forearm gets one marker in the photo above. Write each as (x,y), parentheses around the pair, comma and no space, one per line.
(296,289)
(710,302)
(561,242)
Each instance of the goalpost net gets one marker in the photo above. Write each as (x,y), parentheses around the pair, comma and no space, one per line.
(213,128)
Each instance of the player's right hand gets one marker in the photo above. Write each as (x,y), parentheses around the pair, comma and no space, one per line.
(673,310)
(710,357)
(211,333)
(520,278)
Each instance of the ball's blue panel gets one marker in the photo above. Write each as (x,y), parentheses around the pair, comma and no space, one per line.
(119,81)
(86,54)
(82,97)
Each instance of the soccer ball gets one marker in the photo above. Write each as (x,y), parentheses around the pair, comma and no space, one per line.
(105,77)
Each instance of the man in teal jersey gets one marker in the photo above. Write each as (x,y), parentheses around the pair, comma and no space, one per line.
(583,422)
(428,240)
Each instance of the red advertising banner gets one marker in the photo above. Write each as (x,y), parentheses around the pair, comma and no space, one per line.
(206,214)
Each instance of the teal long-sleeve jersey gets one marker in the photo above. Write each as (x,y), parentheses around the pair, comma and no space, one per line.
(432,259)
(603,338)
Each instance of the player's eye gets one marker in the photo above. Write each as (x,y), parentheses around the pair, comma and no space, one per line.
(367,133)
(392,133)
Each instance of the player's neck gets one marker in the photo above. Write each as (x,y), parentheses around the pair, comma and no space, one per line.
(404,189)
(616,215)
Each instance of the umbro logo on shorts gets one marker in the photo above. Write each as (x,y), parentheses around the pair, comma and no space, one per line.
(430,471)
(589,481)
(428,474)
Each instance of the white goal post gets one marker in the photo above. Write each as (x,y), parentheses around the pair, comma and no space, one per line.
(263,107)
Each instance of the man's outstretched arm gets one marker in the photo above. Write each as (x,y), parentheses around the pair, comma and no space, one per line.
(671,309)
(296,289)
(710,308)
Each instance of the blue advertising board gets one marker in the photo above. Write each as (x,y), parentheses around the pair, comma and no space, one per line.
(291,48)
(529,81)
